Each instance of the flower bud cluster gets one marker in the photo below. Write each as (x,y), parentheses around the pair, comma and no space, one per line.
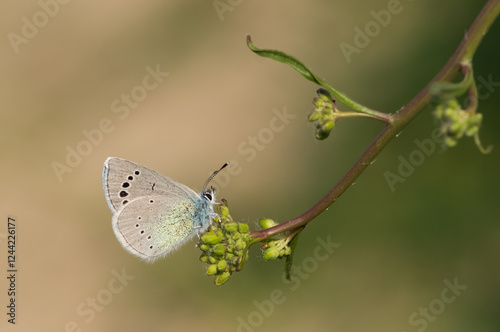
(275,248)
(225,247)
(456,122)
(323,114)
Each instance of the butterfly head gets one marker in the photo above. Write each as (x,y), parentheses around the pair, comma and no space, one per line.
(209,195)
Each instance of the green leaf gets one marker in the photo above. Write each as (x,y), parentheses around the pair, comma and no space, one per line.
(289,258)
(304,71)
(285,58)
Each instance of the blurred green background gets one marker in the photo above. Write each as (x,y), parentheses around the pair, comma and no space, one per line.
(399,249)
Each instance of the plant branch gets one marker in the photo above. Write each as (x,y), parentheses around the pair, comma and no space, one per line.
(387,118)
(400,119)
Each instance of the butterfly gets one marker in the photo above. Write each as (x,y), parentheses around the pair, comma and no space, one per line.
(153,214)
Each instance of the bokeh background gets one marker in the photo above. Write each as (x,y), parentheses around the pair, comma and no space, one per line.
(397,247)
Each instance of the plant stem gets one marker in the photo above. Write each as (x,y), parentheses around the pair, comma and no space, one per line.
(400,119)
(384,117)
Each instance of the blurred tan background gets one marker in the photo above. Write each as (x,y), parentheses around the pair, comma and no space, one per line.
(399,250)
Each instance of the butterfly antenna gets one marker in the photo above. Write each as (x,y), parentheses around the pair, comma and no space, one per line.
(213,175)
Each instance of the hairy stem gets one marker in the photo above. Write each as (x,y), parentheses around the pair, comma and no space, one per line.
(400,119)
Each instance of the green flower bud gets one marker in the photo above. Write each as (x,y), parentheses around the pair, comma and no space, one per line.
(211,270)
(324,95)
(212,259)
(219,249)
(314,115)
(240,245)
(456,128)
(204,247)
(267,223)
(450,142)
(439,111)
(476,118)
(322,134)
(473,124)
(211,238)
(222,278)
(231,227)
(271,253)
(471,131)
(327,125)
(204,258)
(223,211)
(221,265)
(318,102)
(243,227)
(272,243)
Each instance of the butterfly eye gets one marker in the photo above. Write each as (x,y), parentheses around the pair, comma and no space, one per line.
(207,195)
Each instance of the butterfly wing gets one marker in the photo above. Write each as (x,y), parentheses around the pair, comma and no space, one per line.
(124,181)
(152,226)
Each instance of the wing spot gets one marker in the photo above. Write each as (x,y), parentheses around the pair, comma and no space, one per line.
(142,232)
(150,247)
(123,193)
(149,237)
(130,177)
(136,225)
(137,172)
(151,201)
(125,185)
(125,202)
